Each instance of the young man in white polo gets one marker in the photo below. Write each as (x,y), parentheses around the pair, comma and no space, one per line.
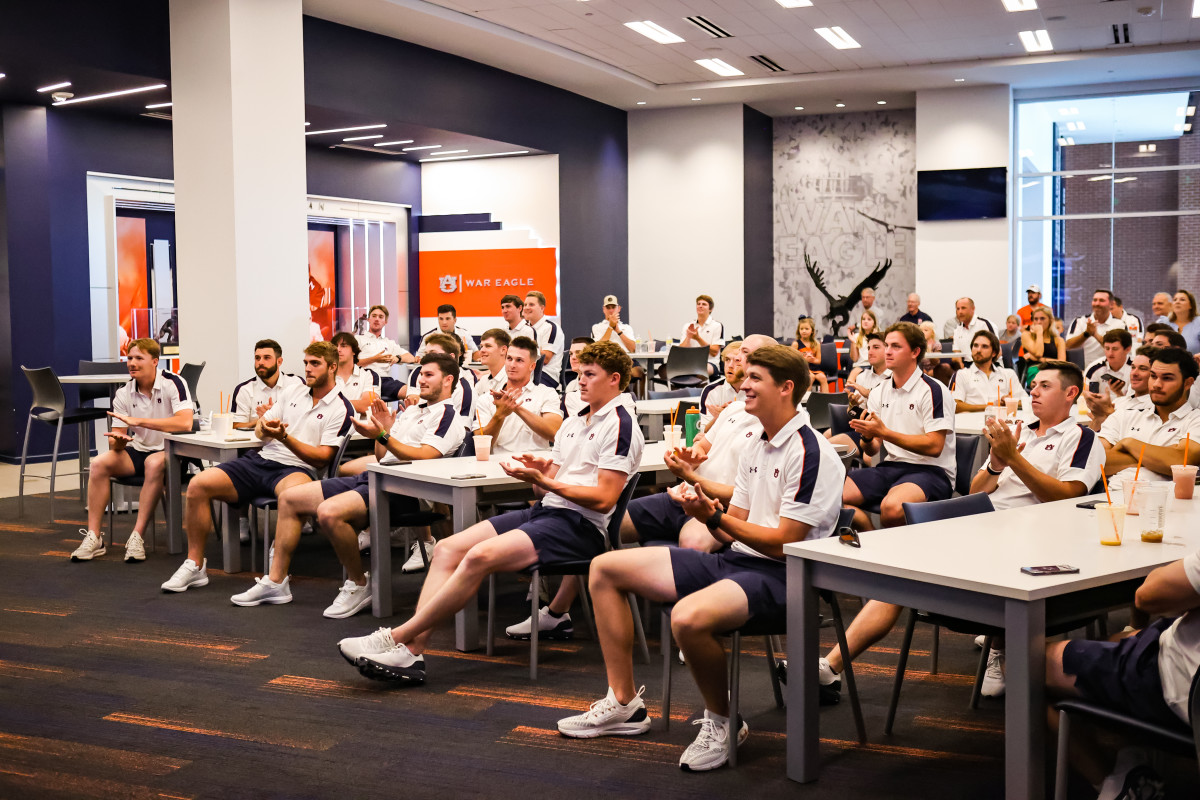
(549,338)
(788,488)
(360,386)
(913,415)
(378,353)
(464,393)
(715,396)
(493,350)
(1114,366)
(151,404)
(511,309)
(522,416)
(572,403)
(448,324)
(611,329)
(302,433)
(579,484)
(427,430)
(252,398)
(705,331)
(1113,397)
(985,381)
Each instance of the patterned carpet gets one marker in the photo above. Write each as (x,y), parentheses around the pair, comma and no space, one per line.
(110,688)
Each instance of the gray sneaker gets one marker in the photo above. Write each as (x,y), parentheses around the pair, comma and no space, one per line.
(357,646)
(351,599)
(187,576)
(264,590)
(607,717)
(710,750)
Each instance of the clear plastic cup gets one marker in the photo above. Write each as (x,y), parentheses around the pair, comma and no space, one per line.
(1010,406)
(1131,495)
(1152,507)
(990,412)
(673,434)
(222,425)
(1110,522)
(483,447)
(1184,476)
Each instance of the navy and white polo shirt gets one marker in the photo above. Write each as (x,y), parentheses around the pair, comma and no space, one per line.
(1143,424)
(249,395)
(360,380)
(975,387)
(550,337)
(1066,452)
(734,430)
(921,405)
(322,424)
(436,425)
(515,436)
(1100,368)
(463,396)
(168,395)
(717,393)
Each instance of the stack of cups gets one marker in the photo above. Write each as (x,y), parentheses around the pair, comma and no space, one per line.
(674,436)
(1010,406)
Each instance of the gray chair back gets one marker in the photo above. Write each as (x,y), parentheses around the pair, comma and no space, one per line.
(1075,356)
(965,506)
(818,407)
(687,363)
(94,392)
(47,392)
(671,394)
(191,376)
(965,448)
(614,522)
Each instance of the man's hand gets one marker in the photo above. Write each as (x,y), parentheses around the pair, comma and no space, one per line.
(383,416)
(691,331)
(539,463)
(869,426)
(695,502)
(370,428)
(130,422)
(118,439)
(532,469)
(715,409)
(263,408)
(274,429)
(1099,404)
(1004,442)
(1117,386)
(411,399)
(1090,329)
(507,401)
(683,463)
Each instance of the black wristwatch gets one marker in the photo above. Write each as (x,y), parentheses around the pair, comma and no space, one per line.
(988,466)
(383,438)
(714,521)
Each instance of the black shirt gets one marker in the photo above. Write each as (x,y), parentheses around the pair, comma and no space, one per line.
(917,318)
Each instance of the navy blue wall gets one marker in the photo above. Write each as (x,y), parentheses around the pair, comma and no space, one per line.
(759,244)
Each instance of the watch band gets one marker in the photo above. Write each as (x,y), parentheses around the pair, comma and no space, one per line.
(383,437)
(988,466)
(714,521)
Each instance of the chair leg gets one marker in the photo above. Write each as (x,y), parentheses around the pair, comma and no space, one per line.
(980,671)
(85,453)
(491,623)
(735,670)
(54,465)
(666,654)
(933,651)
(252,515)
(536,590)
(900,667)
(839,627)
(778,691)
(21,480)
(1102,626)
(638,630)
(110,510)
(1061,767)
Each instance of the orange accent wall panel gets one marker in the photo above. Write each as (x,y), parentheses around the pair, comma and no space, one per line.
(473,281)
(321,280)
(132,292)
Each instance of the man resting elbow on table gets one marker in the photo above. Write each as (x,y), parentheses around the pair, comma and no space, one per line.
(1052,458)
(579,485)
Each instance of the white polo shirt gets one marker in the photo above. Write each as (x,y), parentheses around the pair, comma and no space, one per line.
(249,395)
(711,331)
(463,397)
(467,341)
(515,436)
(168,395)
(625,328)
(1092,349)
(869,378)
(1129,400)
(434,425)
(523,329)
(1067,452)
(972,385)
(360,380)
(572,400)
(796,474)
(1143,423)
(921,405)
(1100,367)
(491,383)
(611,439)
(1179,648)
(963,334)
(323,424)
(370,345)
(550,337)
(1133,324)
(717,393)
(735,430)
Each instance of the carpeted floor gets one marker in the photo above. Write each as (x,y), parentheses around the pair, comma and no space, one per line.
(110,688)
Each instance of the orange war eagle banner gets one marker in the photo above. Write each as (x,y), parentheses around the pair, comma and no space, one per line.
(473,281)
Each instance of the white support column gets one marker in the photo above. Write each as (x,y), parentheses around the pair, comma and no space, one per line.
(237,84)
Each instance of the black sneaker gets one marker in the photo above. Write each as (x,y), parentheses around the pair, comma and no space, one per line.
(1142,783)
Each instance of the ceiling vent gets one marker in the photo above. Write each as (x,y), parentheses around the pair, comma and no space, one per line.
(770,65)
(711,28)
(1120,33)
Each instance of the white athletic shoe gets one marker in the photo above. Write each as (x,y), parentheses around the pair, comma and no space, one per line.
(91,547)
(548,627)
(979,640)
(993,679)
(414,563)
(364,540)
(397,663)
(264,590)
(135,548)
(350,600)
(711,748)
(356,646)
(187,576)
(607,717)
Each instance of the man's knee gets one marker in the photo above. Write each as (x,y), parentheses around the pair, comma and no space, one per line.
(329,516)
(690,620)
(156,467)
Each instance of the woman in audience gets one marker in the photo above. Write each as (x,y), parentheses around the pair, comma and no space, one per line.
(1041,342)
(806,342)
(934,367)
(867,323)
(1012,330)
(1183,318)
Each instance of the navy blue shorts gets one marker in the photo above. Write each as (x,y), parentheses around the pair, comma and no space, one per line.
(138,458)
(254,476)
(389,388)
(764,580)
(397,504)
(558,534)
(875,482)
(1122,675)
(658,518)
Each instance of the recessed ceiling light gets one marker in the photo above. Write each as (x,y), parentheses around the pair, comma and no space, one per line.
(346,130)
(1,74)
(1079,126)
(654,31)
(1036,41)
(448,152)
(1100,178)
(54,86)
(389,144)
(1065,141)
(1181,112)
(794,3)
(160,105)
(422,147)
(307,124)
(480,155)
(106,95)
(1191,111)
(1071,126)
(641,102)
(839,105)
(720,67)
(360,138)
(694,99)
(837,37)
(1187,127)
(1019,5)
(799,108)
(881,102)
(1126,179)
(959,80)
(1179,127)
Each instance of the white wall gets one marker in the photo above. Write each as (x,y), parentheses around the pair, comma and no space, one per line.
(964,128)
(686,231)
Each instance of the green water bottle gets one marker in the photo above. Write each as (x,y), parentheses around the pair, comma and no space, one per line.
(691,425)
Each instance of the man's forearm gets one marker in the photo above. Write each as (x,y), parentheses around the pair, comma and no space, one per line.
(595,498)
(1076,341)
(1044,487)
(768,541)
(176,423)
(541,426)
(926,444)
(314,455)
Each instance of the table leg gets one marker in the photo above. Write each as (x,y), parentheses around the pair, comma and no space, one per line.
(465,511)
(174,500)
(381,549)
(1025,700)
(803,722)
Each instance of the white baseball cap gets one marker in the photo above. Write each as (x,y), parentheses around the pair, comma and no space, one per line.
(611,300)
(1033,287)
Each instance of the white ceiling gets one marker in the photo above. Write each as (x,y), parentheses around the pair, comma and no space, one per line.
(907,45)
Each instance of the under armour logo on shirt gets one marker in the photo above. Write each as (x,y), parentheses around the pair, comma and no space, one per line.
(1049,447)
(911,406)
(320,416)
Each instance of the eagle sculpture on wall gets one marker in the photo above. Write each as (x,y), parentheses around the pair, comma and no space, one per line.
(840,307)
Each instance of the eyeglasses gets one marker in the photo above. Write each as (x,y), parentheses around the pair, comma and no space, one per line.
(849,537)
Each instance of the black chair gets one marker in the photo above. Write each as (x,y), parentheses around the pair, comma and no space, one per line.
(48,396)
(685,366)
(965,450)
(1076,357)
(578,569)
(835,368)
(1006,353)
(673,393)
(1179,739)
(191,376)
(947,345)
(818,407)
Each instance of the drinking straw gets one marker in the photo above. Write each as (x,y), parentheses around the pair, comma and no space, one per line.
(1136,472)
(1187,443)
(1104,480)
(998,403)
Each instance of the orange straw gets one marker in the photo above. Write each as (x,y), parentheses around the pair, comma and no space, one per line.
(1187,443)
(1138,471)
(998,403)
(1116,531)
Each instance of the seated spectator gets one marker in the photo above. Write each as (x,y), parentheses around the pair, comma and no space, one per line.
(1088,332)
(464,393)
(1184,319)
(705,331)
(1034,295)
(252,398)
(968,325)
(721,392)
(303,431)
(548,336)
(863,379)
(808,346)
(1012,331)
(914,314)
(448,324)
(522,416)
(786,490)
(1160,308)
(360,386)
(492,353)
(1040,342)
(1133,323)
(1166,337)
(985,381)
(1114,365)
(1154,434)
(936,368)
(867,323)
(378,353)
(579,484)
(151,404)
(572,401)
(1147,674)
(515,325)
(611,329)
(1051,459)
(914,415)
(867,296)
(340,505)
(1114,397)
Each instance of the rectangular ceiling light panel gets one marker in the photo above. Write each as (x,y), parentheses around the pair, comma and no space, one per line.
(837,37)
(720,67)
(654,31)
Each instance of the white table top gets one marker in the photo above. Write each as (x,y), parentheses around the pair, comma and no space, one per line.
(659,354)
(237,440)
(663,405)
(986,553)
(944,356)
(110,377)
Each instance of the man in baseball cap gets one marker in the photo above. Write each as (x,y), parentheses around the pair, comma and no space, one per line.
(1034,295)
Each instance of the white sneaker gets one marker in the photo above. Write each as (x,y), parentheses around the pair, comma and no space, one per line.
(187,576)
(711,748)
(135,548)
(414,563)
(1131,778)
(979,640)
(549,627)
(91,547)
(607,717)
(364,541)
(350,600)
(398,663)
(829,684)
(264,590)
(357,646)
(993,678)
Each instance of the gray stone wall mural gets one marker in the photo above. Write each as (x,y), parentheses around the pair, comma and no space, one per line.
(846,196)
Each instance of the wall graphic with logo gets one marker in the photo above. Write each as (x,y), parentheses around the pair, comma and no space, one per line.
(132,286)
(321,271)
(473,281)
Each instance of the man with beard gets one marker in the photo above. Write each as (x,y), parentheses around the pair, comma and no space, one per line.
(985,380)
(251,399)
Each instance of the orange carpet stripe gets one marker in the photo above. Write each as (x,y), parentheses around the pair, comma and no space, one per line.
(545,699)
(15,747)
(907,752)
(42,611)
(170,725)
(973,726)
(16,669)
(57,554)
(516,661)
(630,748)
(889,670)
(49,782)
(316,687)
(18,528)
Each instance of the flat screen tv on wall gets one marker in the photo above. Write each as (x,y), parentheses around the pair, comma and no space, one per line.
(962,193)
